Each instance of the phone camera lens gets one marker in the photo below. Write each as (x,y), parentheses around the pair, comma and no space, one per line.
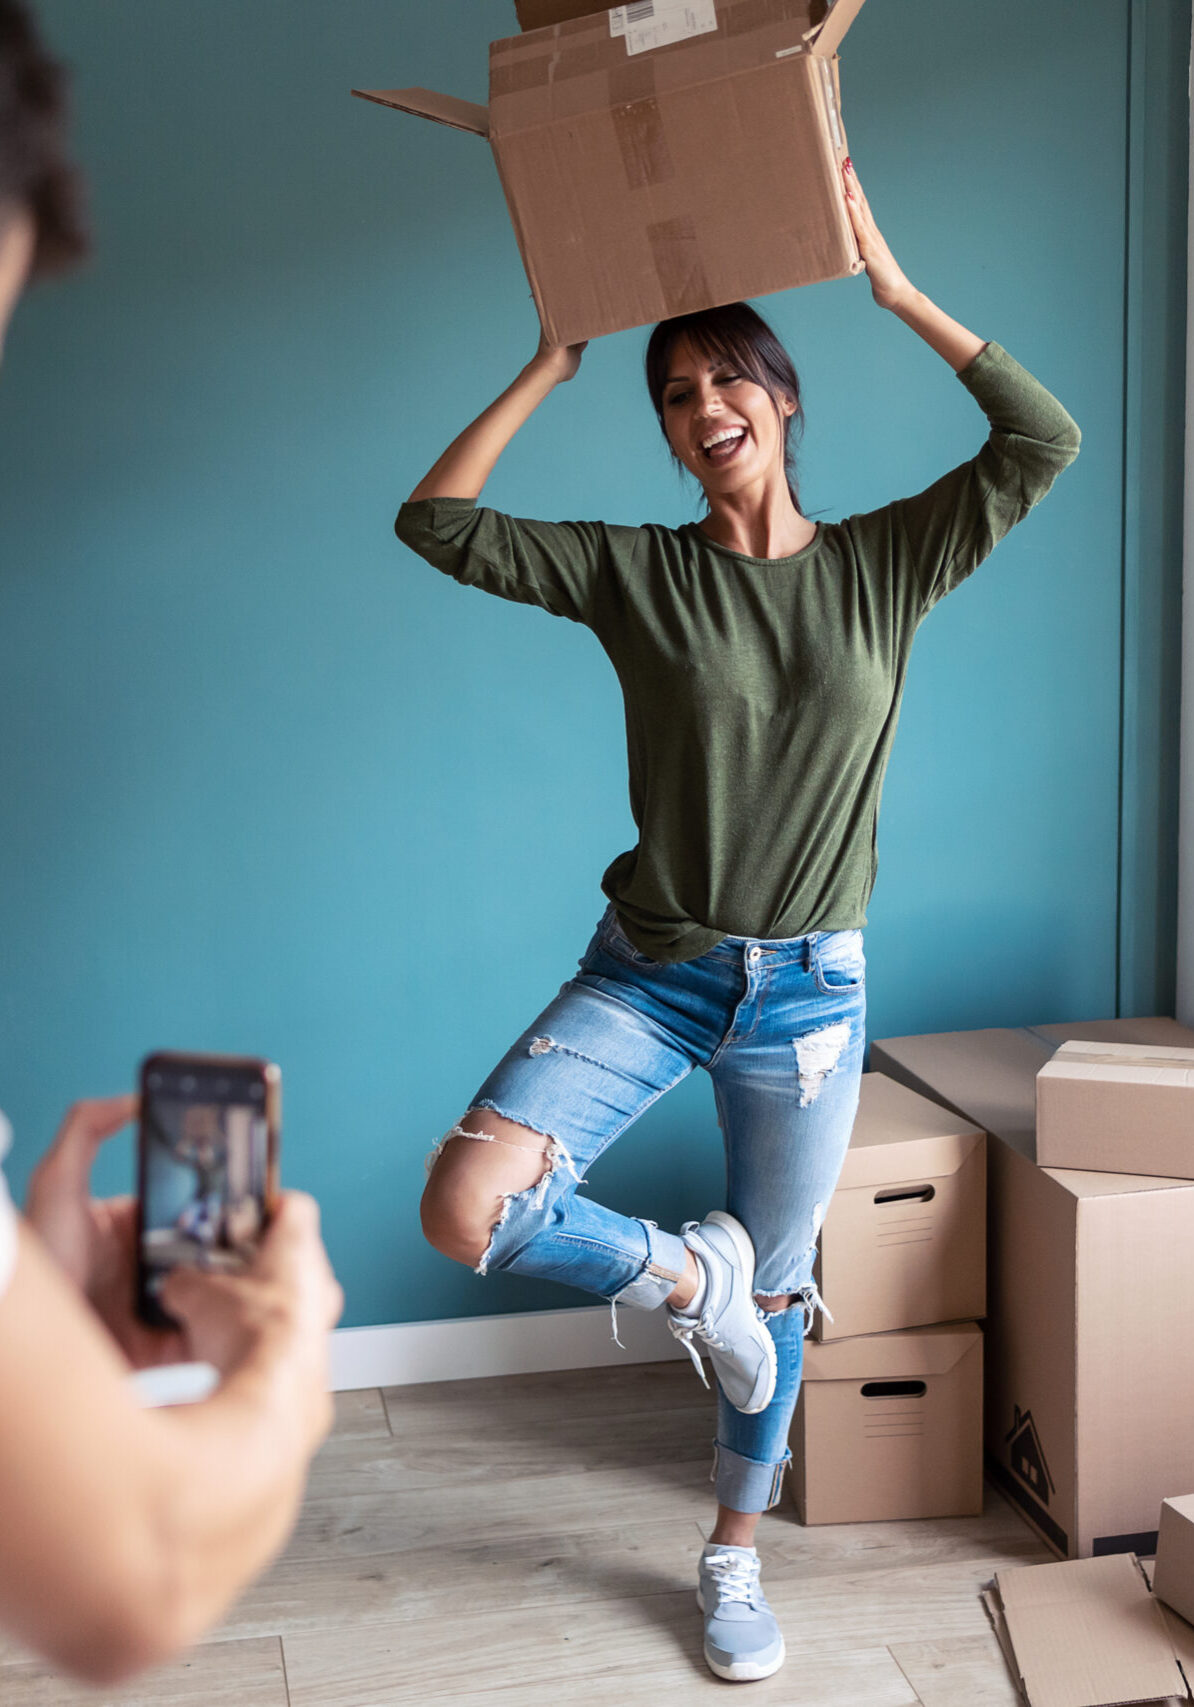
(186,1084)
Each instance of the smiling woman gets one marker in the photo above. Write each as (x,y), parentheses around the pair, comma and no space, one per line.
(724,357)
(762,659)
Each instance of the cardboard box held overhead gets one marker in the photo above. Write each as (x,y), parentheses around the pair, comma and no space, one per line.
(889,1426)
(1090,1298)
(1117,1107)
(664,157)
(904,1242)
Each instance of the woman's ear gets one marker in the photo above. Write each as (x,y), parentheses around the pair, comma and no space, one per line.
(787,405)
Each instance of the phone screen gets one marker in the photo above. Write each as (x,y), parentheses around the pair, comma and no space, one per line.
(208,1145)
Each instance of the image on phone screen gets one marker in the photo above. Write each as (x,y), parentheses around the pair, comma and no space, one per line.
(205,1165)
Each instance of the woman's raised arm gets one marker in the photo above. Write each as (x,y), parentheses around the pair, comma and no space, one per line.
(892,289)
(469,460)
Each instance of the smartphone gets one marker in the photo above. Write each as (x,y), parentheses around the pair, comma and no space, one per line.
(207,1166)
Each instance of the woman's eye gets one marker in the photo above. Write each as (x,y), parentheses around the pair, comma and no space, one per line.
(678,397)
(730,378)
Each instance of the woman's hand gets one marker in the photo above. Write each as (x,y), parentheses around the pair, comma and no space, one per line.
(558,361)
(94,1240)
(463,469)
(892,289)
(889,284)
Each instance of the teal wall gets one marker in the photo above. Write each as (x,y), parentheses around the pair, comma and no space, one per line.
(270,784)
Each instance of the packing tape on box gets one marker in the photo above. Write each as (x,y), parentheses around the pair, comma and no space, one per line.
(583,59)
(638,125)
(645,157)
(513,75)
(511,71)
(677,258)
(1097,1059)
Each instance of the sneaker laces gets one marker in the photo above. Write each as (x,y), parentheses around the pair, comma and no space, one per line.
(737,1578)
(684,1332)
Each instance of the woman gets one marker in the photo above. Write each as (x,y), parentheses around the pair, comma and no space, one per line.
(125,1533)
(762,660)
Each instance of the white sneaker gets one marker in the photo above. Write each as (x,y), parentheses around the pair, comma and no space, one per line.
(743,1642)
(730,1324)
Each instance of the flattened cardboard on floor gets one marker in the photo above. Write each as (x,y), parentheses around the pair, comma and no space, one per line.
(1118,1107)
(1084,1634)
(1090,1299)
(904,1242)
(1173,1574)
(889,1426)
(644,180)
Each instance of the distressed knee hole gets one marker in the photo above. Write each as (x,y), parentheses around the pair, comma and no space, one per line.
(553,1151)
(816,1057)
(555,1155)
(461,1131)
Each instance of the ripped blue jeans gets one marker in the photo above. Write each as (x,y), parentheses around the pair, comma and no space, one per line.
(779,1026)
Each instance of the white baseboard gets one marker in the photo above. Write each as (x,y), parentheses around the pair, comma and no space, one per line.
(410,1352)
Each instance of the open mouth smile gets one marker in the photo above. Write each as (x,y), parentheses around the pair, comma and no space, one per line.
(723,446)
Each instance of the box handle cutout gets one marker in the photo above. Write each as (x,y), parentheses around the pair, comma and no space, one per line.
(893,1389)
(907,1194)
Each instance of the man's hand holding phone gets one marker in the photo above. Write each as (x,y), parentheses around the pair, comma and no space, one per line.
(285,1301)
(282,1306)
(94,1240)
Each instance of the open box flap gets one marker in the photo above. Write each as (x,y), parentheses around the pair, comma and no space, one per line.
(426,104)
(833,31)
(908,1354)
(1087,1633)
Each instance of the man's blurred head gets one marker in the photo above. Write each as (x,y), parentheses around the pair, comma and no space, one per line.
(41,221)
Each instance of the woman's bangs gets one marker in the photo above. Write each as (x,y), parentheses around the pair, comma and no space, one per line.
(719,344)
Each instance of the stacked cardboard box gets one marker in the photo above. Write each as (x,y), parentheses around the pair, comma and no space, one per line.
(1090,1326)
(889,1419)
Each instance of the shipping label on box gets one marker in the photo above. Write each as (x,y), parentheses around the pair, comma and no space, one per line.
(904,1242)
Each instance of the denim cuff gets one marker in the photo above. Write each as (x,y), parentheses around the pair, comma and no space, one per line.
(744,1484)
(656,1280)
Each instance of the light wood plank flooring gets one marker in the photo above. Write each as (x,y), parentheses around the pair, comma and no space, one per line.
(531,1541)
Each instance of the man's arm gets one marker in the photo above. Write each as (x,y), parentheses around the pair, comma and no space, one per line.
(124,1533)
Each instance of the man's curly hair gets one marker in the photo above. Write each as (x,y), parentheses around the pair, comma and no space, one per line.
(35,172)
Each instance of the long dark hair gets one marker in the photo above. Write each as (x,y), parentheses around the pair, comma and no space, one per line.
(35,171)
(734,334)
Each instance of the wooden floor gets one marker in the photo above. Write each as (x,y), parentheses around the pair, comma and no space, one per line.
(531,1541)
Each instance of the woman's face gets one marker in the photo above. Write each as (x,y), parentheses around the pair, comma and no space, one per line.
(721,425)
(17,237)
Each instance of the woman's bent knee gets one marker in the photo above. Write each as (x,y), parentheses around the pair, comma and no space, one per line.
(446,1228)
(473,1177)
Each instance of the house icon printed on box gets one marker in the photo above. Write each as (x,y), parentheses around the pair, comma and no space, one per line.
(1025,1457)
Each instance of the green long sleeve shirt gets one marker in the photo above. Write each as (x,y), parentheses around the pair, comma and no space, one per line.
(761,694)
